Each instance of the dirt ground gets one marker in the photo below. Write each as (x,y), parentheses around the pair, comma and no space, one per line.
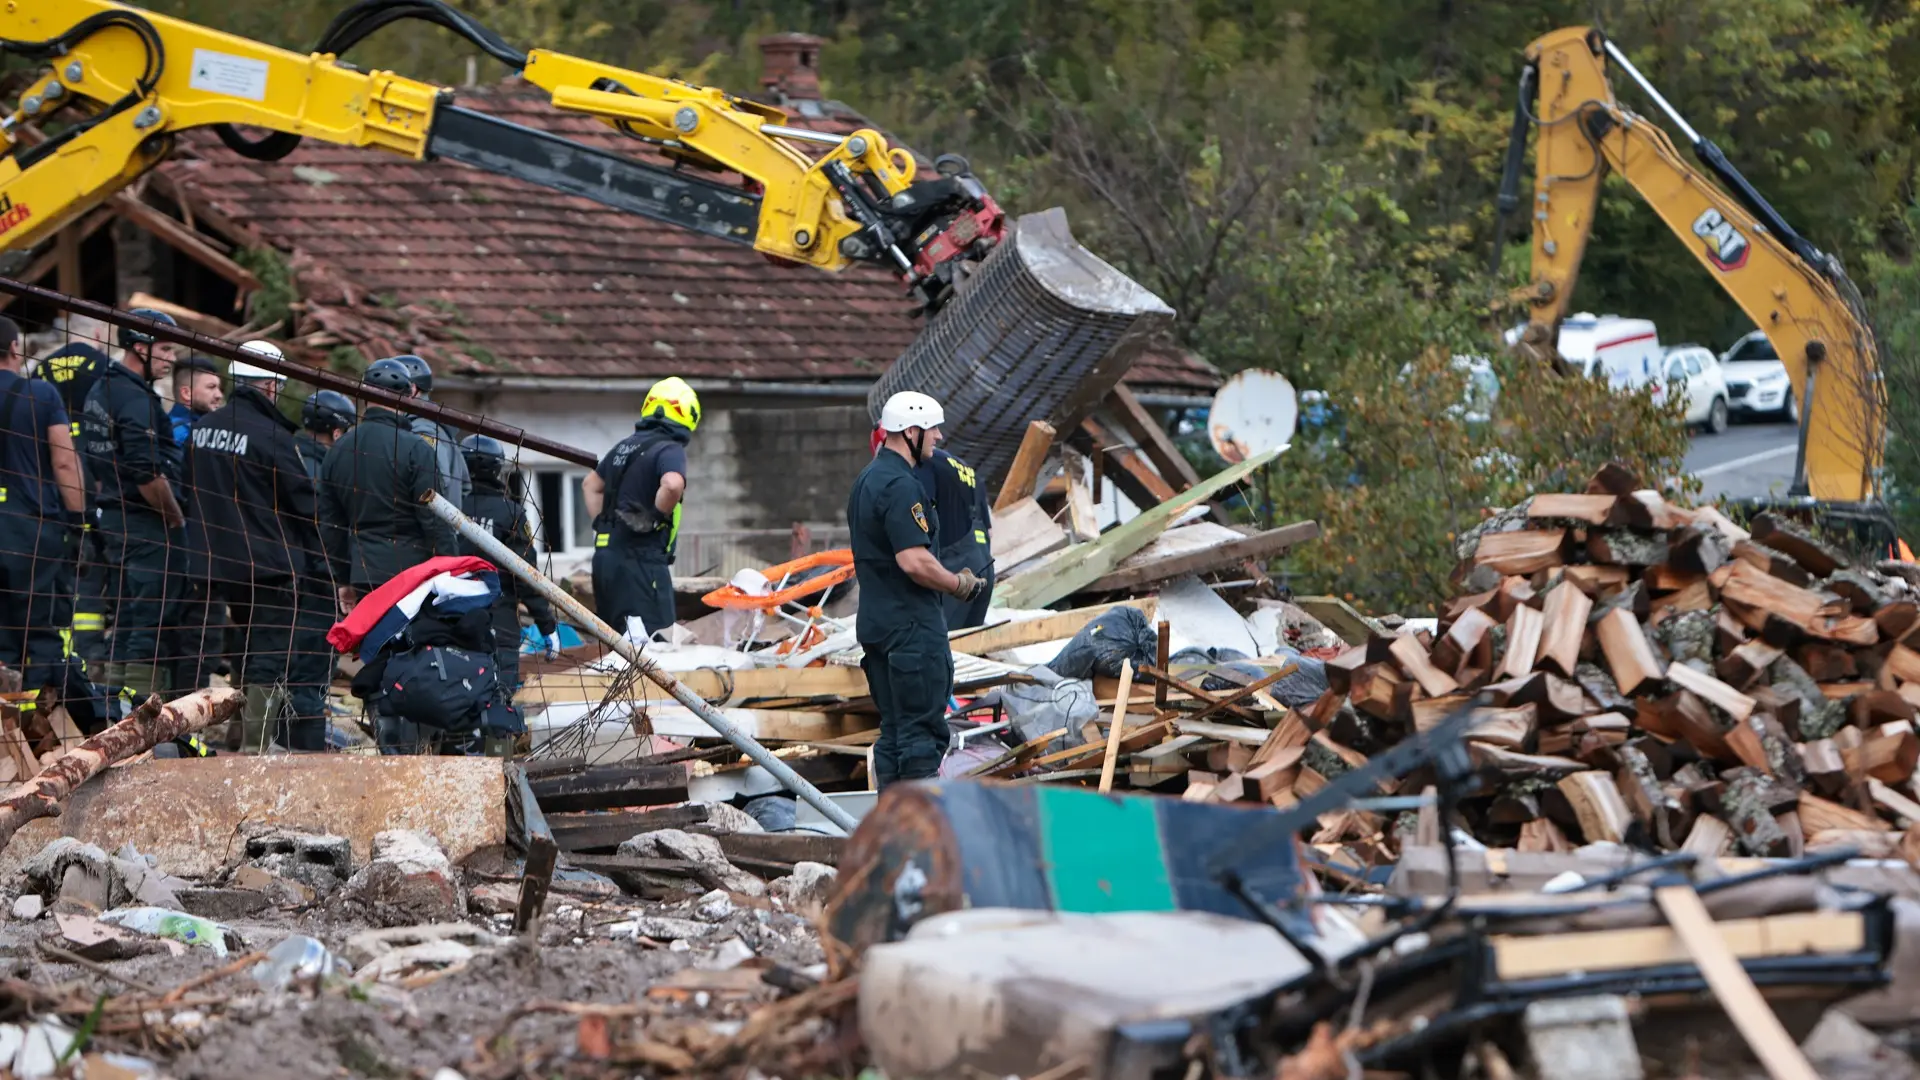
(592,997)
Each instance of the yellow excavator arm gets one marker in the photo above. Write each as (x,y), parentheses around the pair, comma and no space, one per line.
(1798,295)
(122,82)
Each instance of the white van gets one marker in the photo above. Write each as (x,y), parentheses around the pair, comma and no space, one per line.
(1625,352)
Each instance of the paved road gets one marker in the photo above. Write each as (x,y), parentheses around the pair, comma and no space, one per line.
(1746,460)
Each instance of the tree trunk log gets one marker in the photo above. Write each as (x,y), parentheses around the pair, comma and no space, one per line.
(149,725)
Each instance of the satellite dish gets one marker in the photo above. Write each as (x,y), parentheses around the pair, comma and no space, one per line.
(1255,412)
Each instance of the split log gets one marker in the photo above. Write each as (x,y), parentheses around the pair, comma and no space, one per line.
(1565,626)
(1627,549)
(1669,578)
(1525,551)
(1771,562)
(1816,557)
(1648,801)
(1508,728)
(1746,663)
(1826,662)
(1591,509)
(1340,669)
(1379,693)
(1897,619)
(1748,802)
(1910,846)
(1414,662)
(1699,549)
(1524,628)
(1276,774)
(1876,708)
(1901,806)
(1862,591)
(1596,581)
(150,725)
(1450,653)
(1695,597)
(1888,758)
(1520,766)
(1541,834)
(1817,815)
(1709,839)
(1597,805)
(1645,509)
(1627,651)
(1613,478)
(1904,663)
(1513,593)
(1825,768)
(1731,701)
(1430,713)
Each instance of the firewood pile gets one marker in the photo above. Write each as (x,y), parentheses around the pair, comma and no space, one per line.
(1641,673)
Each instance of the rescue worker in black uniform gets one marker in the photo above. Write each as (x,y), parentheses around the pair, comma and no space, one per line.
(372,518)
(634,497)
(250,488)
(965,531)
(495,507)
(133,463)
(41,509)
(192,643)
(325,416)
(901,626)
(73,369)
(454,482)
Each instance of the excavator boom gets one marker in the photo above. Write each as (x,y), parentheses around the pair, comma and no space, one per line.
(1798,295)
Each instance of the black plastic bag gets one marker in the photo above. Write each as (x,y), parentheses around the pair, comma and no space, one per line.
(1120,634)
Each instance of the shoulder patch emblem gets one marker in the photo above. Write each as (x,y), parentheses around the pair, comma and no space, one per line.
(920,517)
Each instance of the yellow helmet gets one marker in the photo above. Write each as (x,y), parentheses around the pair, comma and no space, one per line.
(675,400)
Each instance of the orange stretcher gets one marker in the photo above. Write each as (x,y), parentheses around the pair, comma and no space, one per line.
(732,597)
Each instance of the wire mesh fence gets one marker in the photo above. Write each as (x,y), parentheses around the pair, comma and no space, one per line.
(179,511)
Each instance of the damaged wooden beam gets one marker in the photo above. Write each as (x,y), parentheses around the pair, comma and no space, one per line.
(1270,544)
(611,787)
(1024,474)
(537,841)
(585,832)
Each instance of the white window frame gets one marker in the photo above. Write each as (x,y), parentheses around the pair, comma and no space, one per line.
(570,479)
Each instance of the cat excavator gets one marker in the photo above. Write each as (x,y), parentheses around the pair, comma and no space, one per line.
(1797,294)
(1021,321)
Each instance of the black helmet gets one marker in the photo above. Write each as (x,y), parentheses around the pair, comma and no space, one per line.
(327,410)
(129,337)
(486,457)
(422,374)
(390,375)
(196,362)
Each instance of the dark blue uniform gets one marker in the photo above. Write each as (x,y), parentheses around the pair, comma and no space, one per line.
(127,442)
(493,509)
(632,543)
(39,540)
(901,624)
(960,507)
(73,369)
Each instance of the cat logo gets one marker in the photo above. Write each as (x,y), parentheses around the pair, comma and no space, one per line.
(920,518)
(1726,248)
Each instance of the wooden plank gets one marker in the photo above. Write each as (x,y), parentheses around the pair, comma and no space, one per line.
(787,848)
(1524,628)
(1267,545)
(1534,956)
(1338,616)
(1629,655)
(1081,520)
(610,787)
(1564,627)
(1730,983)
(1023,531)
(1024,474)
(1115,725)
(606,831)
(738,684)
(1059,626)
(1152,438)
(1524,551)
(1206,729)
(541,851)
(1133,473)
(182,239)
(1067,572)
(1591,509)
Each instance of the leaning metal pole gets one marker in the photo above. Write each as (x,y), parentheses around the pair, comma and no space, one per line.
(504,557)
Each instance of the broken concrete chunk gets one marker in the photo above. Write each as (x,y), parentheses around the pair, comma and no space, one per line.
(807,888)
(725,956)
(728,818)
(369,945)
(320,861)
(703,851)
(1588,1038)
(408,882)
(714,906)
(284,891)
(493,898)
(28,907)
(660,928)
(1839,1048)
(81,877)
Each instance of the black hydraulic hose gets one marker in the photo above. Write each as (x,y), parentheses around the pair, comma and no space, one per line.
(355,25)
(26,157)
(1509,198)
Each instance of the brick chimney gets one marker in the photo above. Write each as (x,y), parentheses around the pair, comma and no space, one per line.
(790,66)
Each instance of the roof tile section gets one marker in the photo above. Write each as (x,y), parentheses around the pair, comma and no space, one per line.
(490,275)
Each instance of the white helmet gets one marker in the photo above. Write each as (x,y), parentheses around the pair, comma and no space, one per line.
(910,409)
(240,369)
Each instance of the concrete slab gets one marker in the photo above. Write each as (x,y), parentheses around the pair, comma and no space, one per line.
(195,815)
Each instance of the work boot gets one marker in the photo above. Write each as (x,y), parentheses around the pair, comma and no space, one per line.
(144,680)
(256,723)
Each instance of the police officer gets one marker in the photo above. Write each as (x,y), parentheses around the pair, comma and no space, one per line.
(635,497)
(908,664)
(453,482)
(73,369)
(40,515)
(965,531)
(501,511)
(248,484)
(196,392)
(132,462)
(372,517)
(324,417)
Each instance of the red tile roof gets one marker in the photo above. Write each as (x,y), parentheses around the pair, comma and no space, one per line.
(494,276)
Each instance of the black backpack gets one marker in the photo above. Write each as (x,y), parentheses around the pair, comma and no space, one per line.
(453,689)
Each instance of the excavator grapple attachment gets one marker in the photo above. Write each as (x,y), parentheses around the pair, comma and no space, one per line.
(1042,329)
